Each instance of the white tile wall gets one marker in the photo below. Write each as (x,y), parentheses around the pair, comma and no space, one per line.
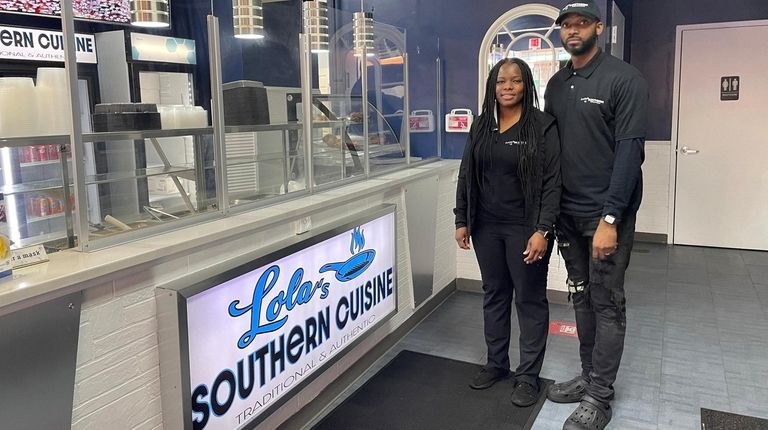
(117,382)
(652,217)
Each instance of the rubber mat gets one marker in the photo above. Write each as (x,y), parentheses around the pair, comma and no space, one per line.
(417,391)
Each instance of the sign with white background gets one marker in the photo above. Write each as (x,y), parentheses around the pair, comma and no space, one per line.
(29,44)
(148,47)
(256,337)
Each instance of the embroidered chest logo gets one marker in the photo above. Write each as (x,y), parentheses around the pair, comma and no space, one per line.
(515,142)
(593,101)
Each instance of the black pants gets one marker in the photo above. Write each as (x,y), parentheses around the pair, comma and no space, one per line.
(499,249)
(600,305)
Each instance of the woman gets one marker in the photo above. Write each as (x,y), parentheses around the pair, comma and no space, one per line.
(507,200)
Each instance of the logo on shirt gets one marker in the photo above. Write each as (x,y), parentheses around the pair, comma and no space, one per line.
(572,5)
(593,101)
(515,142)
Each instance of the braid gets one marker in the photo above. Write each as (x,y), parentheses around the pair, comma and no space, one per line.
(527,169)
(486,127)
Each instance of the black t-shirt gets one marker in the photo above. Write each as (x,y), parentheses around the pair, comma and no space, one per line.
(597,106)
(501,199)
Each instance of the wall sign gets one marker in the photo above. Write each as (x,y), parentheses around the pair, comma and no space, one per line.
(147,47)
(28,256)
(534,43)
(258,335)
(28,44)
(729,88)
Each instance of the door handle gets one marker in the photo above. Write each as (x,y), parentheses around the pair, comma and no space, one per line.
(686,150)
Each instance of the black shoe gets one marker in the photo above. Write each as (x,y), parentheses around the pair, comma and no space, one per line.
(487,376)
(568,392)
(589,415)
(525,394)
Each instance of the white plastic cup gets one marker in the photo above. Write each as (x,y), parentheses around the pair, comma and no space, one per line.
(52,77)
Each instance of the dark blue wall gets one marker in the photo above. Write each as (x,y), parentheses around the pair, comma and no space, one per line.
(653,44)
(460,27)
(273,60)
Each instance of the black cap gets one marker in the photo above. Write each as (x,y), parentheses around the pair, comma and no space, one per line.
(586,8)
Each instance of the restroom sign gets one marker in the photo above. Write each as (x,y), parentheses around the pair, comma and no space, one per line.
(729,88)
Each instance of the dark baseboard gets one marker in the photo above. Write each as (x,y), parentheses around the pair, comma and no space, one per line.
(337,387)
(469,285)
(557,297)
(475,286)
(651,238)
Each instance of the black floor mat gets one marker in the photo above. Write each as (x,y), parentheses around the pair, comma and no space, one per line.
(716,420)
(423,392)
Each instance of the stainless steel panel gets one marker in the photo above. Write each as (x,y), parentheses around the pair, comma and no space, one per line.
(38,356)
(421,212)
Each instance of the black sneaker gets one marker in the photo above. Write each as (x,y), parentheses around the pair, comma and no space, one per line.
(525,394)
(487,376)
(568,392)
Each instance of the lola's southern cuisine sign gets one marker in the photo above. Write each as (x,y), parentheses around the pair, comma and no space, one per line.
(28,44)
(256,337)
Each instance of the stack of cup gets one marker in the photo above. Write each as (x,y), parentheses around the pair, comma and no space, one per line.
(167,116)
(180,116)
(53,106)
(18,107)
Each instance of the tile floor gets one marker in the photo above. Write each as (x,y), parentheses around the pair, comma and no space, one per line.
(697,337)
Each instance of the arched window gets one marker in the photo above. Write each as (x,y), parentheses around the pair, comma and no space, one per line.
(527,32)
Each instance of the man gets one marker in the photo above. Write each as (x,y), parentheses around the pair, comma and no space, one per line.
(600,105)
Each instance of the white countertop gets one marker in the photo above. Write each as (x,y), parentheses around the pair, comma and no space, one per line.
(69,271)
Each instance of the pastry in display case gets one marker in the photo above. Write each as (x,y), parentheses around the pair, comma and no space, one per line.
(339,139)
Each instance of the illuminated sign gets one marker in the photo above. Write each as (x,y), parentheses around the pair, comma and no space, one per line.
(99,10)
(256,336)
(148,47)
(27,44)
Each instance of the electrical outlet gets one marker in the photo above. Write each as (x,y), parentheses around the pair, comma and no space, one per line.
(303,225)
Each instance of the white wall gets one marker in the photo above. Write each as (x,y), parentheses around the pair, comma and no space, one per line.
(654,212)
(652,217)
(118,377)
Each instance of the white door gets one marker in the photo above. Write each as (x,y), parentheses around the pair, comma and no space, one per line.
(721,195)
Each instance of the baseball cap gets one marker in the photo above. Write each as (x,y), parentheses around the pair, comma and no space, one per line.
(586,8)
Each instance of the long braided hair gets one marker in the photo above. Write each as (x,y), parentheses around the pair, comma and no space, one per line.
(487,128)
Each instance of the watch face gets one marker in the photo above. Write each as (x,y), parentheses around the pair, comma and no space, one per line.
(610,219)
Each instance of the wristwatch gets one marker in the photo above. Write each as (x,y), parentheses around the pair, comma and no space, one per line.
(544,233)
(610,219)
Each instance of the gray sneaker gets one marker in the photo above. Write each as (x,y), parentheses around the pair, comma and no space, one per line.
(487,376)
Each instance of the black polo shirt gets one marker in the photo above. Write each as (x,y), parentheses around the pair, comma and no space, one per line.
(502,200)
(599,107)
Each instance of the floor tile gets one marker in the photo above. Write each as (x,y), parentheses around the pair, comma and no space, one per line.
(759,274)
(697,336)
(688,275)
(676,416)
(757,258)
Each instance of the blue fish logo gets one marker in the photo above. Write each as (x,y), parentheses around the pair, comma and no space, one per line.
(355,265)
